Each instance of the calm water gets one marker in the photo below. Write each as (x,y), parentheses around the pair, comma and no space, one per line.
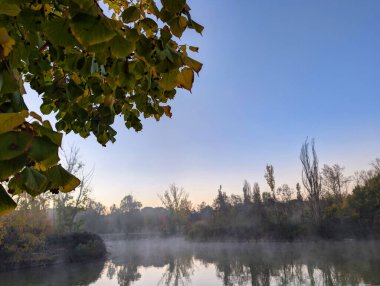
(176,262)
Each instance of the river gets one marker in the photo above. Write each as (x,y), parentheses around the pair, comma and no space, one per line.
(175,261)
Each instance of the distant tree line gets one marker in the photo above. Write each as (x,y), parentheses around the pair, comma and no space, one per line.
(329,205)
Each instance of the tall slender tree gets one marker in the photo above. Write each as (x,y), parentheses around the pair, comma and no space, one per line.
(269,177)
(311,178)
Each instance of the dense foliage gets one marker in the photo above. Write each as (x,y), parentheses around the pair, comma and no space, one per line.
(88,65)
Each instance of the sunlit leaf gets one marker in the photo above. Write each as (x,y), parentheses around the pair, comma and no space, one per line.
(195,65)
(169,80)
(186,78)
(194,49)
(11,120)
(61,179)
(167,111)
(6,41)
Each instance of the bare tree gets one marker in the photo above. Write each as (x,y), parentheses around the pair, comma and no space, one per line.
(334,181)
(175,199)
(177,202)
(269,177)
(376,166)
(363,177)
(311,178)
(129,204)
(284,193)
(68,205)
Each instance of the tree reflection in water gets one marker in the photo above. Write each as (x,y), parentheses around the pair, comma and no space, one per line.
(178,272)
(126,274)
(324,263)
(176,262)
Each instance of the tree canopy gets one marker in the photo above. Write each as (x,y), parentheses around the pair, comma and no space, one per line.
(88,66)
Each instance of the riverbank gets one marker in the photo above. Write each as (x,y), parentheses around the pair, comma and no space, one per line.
(57,249)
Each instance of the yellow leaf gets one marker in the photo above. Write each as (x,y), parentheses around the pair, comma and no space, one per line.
(36,7)
(195,65)
(35,116)
(182,21)
(4,37)
(76,78)
(186,78)
(167,111)
(47,9)
(8,121)
(6,41)
(194,49)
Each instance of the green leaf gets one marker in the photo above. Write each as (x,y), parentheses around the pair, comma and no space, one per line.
(6,202)
(89,30)
(10,84)
(61,179)
(44,151)
(55,137)
(13,144)
(9,9)
(10,167)
(9,121)
(46,108)
(33,181)
(186,78)
(15,185)
(83,3)
(131,14)
(173,6)
(121,48)
(169,80)
(149,25)
(194,49)
(18,103)
(58,32)
(177,26)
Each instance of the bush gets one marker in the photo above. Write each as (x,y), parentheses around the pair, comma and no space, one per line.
(79,246)
(22,237)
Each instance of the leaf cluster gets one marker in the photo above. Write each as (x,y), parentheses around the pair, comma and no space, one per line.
(89,66)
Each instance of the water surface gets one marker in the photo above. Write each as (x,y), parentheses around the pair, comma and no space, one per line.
(177,262)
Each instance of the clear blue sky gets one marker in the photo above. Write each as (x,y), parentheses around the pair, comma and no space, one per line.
(274,73)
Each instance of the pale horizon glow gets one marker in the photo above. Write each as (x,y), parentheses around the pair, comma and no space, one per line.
(274,74)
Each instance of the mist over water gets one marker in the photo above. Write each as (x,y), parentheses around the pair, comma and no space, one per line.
(174,261)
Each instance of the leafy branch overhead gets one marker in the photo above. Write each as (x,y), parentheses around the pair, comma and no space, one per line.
(89,61)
